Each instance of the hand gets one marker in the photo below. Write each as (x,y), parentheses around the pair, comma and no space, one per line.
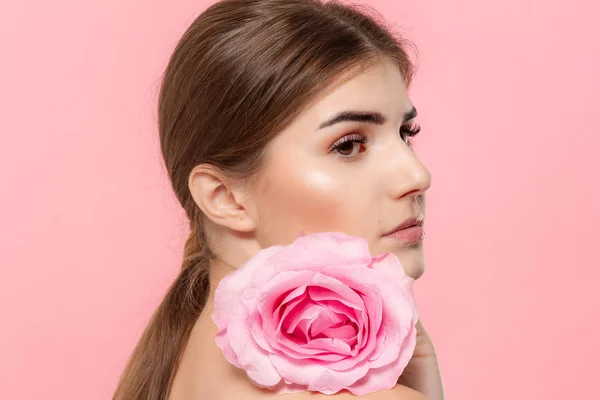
(423,372)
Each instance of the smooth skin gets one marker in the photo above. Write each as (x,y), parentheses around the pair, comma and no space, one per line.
(360,177)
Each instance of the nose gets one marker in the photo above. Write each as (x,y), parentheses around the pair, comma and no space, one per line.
(409,177)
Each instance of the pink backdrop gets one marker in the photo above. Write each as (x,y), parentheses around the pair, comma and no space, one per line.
(91,235)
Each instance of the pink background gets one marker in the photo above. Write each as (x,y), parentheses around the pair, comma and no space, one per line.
(91,235)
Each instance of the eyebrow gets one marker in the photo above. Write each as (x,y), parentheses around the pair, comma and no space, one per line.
(364,116)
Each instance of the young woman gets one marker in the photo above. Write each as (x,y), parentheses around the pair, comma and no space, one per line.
(277,117)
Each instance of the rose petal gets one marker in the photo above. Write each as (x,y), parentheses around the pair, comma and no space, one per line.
(357,318)
(298,339)
(317,375)
(402,318)
(333,289)
(291,296)
(374,310)
(302,315)
(343,332)
(250,356)
(386,377)
(399,306)
(289,307)
(267,304)
(330,345)
(389,265)
(324,292)
(285,281)
(224,344)
(335,318)
(341,309)
(326,321)
(296,349)
(356,313)
(231,287)
(323,249)
(379,347)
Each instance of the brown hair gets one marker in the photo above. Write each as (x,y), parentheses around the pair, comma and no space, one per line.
(241,72)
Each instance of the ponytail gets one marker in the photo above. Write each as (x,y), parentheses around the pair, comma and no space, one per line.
(152,366)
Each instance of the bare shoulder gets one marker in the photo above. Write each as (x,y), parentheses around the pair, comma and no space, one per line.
(203,373)
(397,393)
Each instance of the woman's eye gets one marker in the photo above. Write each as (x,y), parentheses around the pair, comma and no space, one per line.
(348,149)
(349,146)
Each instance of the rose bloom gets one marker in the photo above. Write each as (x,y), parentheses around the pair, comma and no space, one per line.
(320,314)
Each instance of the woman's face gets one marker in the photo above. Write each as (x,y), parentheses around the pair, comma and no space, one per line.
(358,175)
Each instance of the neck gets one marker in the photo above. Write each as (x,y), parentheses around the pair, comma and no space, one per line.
(218,270)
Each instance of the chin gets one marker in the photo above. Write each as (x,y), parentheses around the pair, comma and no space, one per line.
(412,263)
(416,272)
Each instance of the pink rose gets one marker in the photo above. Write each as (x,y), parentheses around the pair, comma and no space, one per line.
(320,314)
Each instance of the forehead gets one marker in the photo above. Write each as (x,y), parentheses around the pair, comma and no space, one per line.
(379,88)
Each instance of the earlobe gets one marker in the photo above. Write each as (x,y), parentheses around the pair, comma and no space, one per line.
(220,199)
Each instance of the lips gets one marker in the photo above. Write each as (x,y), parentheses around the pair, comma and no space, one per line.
(415,221)
(410,231)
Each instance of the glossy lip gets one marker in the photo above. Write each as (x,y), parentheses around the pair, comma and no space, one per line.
(416,221)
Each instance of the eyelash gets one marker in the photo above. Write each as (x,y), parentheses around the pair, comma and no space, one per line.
(408,130)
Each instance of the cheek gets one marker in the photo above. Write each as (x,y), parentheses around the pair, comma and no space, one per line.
(296,198)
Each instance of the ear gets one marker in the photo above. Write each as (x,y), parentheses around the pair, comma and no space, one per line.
(221,199)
